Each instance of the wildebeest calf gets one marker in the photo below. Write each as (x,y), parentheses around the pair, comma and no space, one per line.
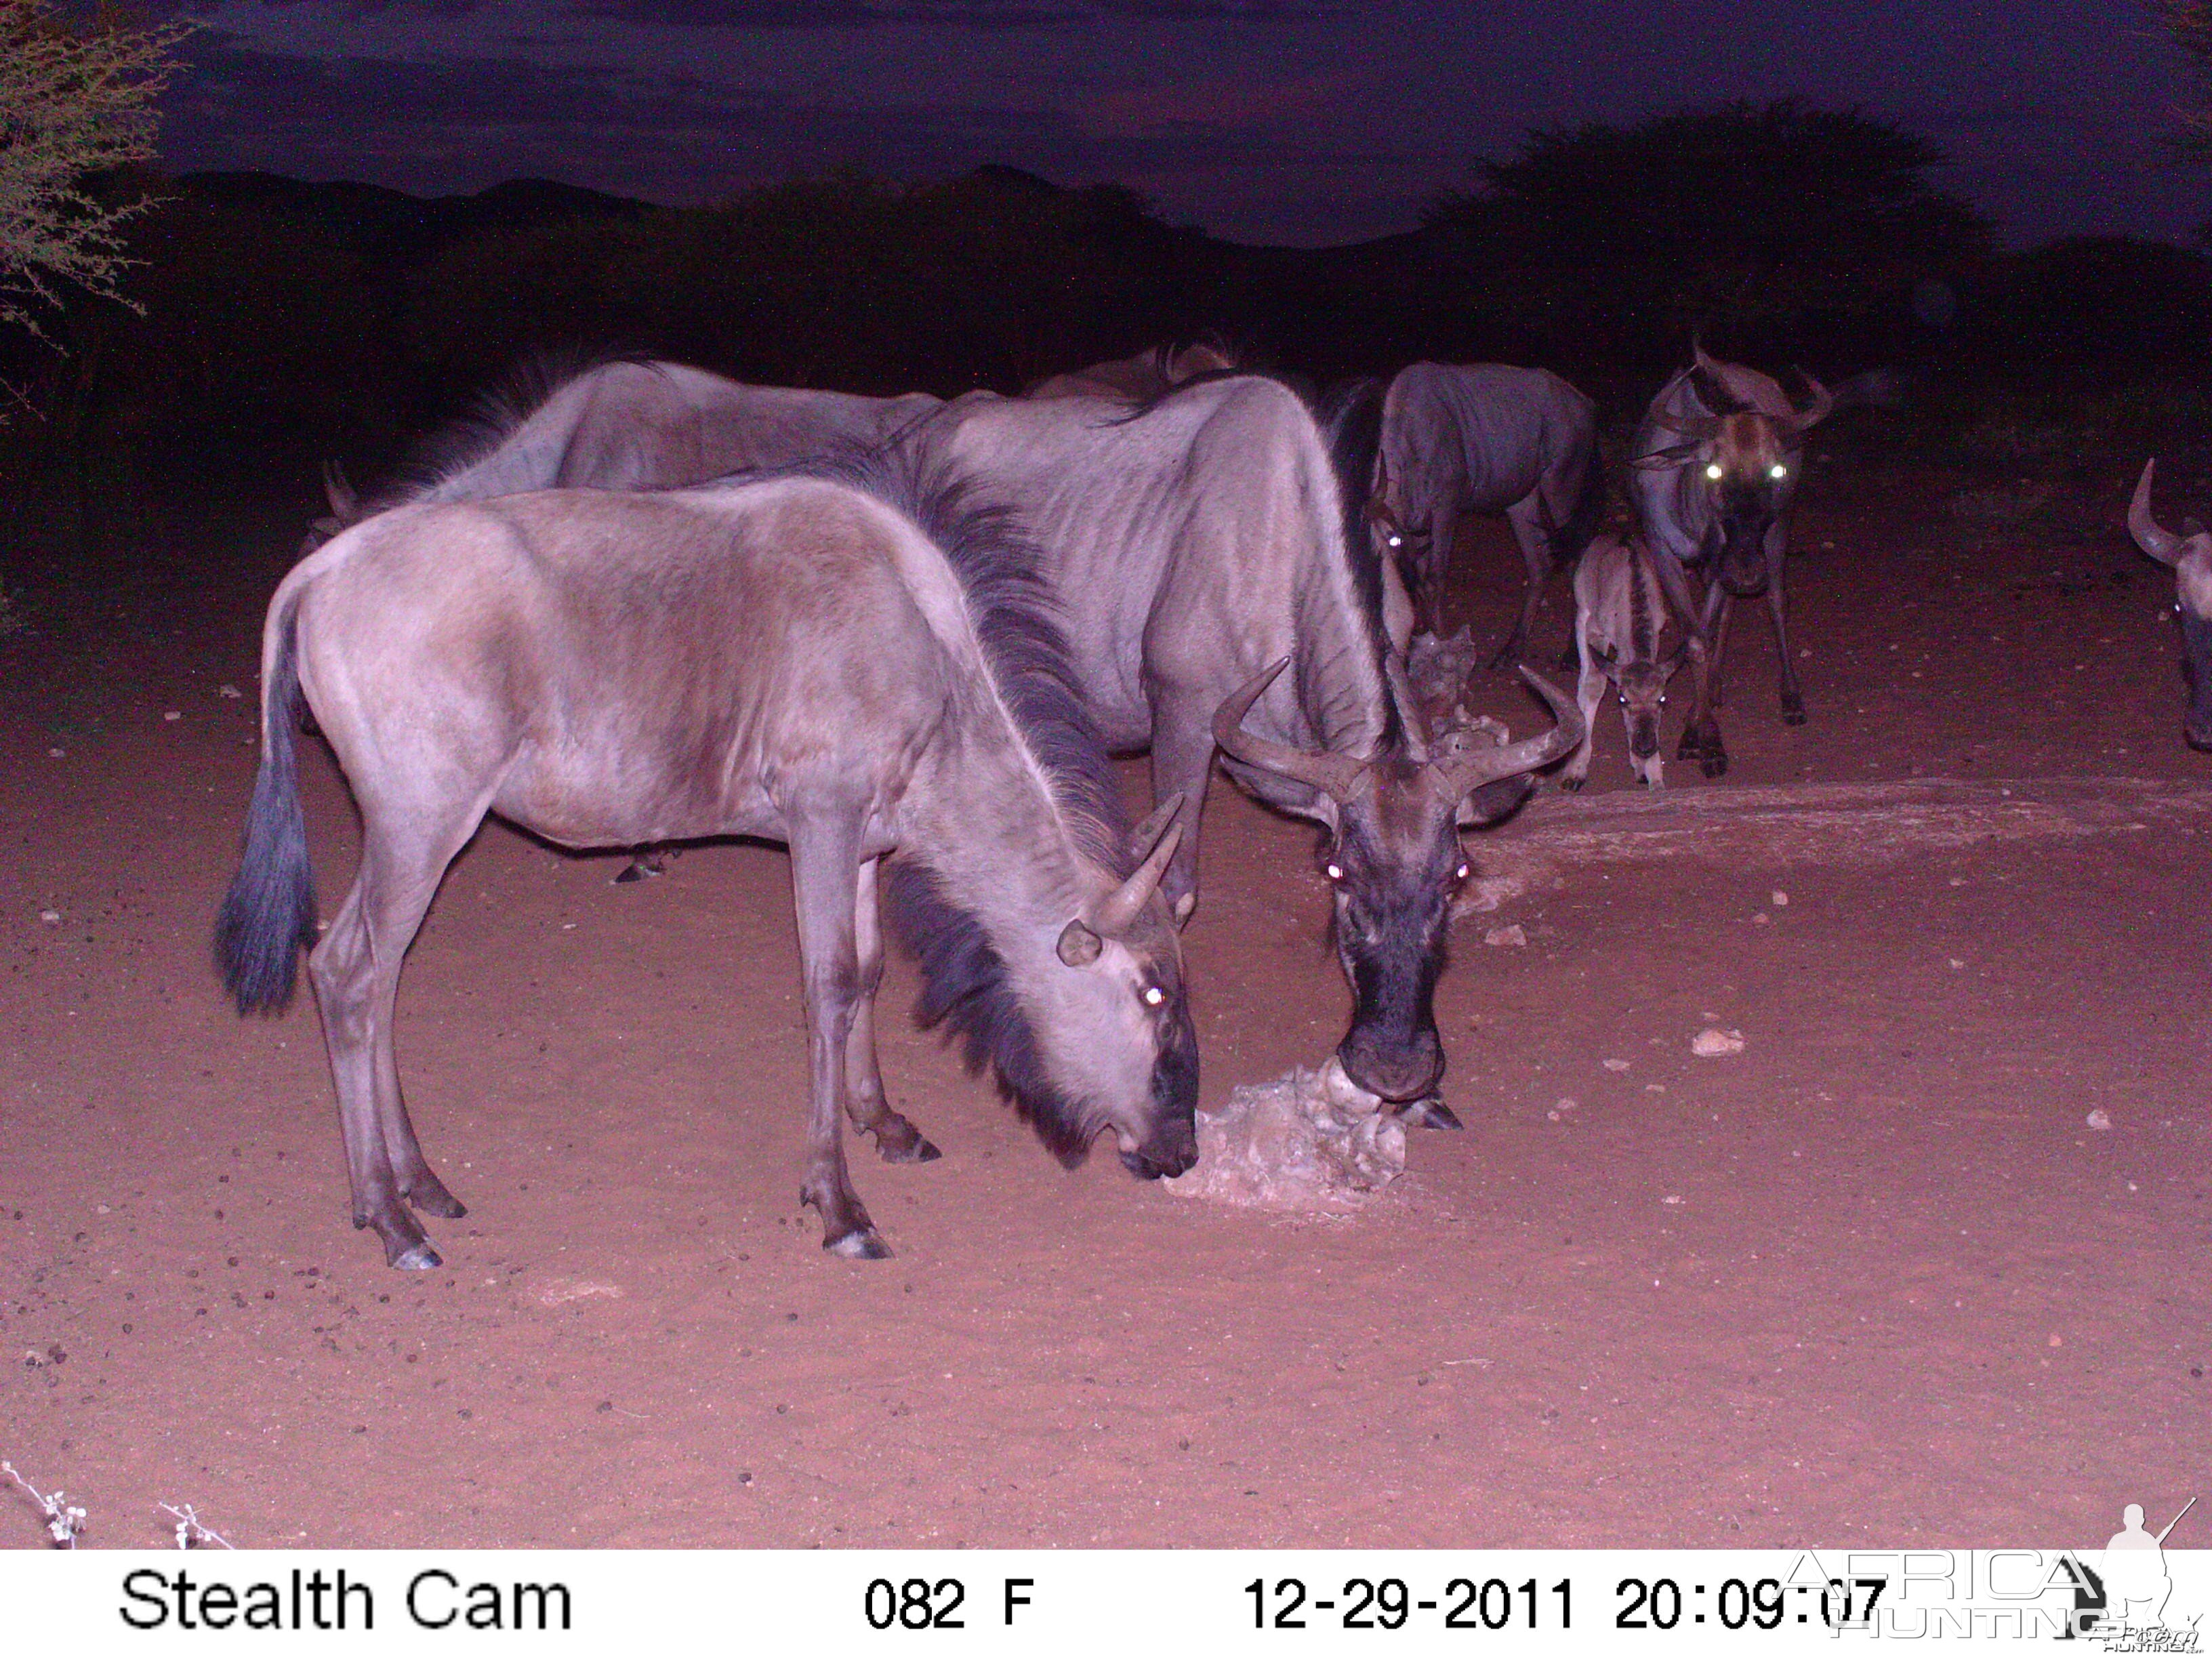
(1619,613)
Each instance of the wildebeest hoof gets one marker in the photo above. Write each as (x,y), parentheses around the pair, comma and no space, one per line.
(431,1197)
(1715,763)
(1691,747)
(415,1258)
(862,1244)
(1573,785)
(637,870)
(1793,711)
(1430,1114)
(915,1148)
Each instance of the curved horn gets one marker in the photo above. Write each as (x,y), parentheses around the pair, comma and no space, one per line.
(1819,404)
(1122,907)
(2161,544)
(1337,776)
(345,504)
(1462,774)
(1409,707)
(1698,429)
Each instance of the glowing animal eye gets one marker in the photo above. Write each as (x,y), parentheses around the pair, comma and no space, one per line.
(1713,470)
(1154,996)
(1336,873)
(1460,874)
(1777,470)
(1397,541)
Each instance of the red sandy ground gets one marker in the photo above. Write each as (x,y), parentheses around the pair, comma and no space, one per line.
(1872,1281)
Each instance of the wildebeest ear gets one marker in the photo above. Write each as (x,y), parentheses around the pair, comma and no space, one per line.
(345,503)
(1146,836)
(1660,459)
(1078,945)
(1183,908)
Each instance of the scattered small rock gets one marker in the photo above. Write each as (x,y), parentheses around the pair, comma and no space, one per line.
(226,690)
(1508,935)
(1672,1198)
(1779,899)
(51,918)
(1712,1042)
(172,714)
(2099,1119)
(555,1291)
(1616,1065)
(56,754)
(1761,919)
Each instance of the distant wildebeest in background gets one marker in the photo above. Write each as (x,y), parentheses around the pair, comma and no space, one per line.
(1714,465)
(858,673)
(1485,438)
(624,425)
(1620,613)
(2190,556)
(1194,541)
(1136,379)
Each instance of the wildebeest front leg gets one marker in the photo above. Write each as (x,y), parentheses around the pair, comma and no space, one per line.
(1182,763)
(1589,694)
(1701,738)
(825,861)
(897,1140)
(1793,694)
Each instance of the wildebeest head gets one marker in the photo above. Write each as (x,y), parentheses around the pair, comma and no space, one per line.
(1114,1021)
(1392,856)
(345,509)
(1745,459)
(1640,688)
(2190,556)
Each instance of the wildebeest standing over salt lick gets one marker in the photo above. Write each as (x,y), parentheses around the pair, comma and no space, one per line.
(794,659)
(2190,556)
(1621,613)
(1485,438)
(1712,470)
(1192,541)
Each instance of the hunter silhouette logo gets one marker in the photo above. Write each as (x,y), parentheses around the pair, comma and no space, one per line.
(2122,1603)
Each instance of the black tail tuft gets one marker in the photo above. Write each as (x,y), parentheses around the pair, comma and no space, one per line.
(269,914)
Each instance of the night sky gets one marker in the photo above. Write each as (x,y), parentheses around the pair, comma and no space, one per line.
(1265,120)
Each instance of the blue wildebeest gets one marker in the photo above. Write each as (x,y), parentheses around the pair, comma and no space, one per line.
(861,674)
(2190,556)
(1144,376)
(626,425)
(1620,611)
(1194,544)
(1485,438)
(1712,470)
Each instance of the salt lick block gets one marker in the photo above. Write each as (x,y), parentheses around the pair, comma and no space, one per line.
(1309,1142)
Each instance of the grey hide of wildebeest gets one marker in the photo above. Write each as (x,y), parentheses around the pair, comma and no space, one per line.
(862,673)
(1621,613)
(2190,558)
(628,425)
(1213,591)
(1137,377)
(1485,438)
(1712,469)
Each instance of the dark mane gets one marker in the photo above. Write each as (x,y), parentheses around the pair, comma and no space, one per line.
(1350,415)
(964,988)
(490,421)
(965,985)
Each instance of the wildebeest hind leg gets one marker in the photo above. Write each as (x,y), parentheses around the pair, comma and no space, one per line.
(825,862)
(355,970)
(897,1139)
